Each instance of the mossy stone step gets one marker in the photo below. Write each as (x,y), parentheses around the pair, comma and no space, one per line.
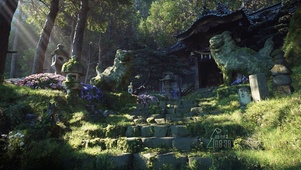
(165,107)
(200,163)
(159,161)
(122,161)
(135,144)
(157,131)
(181,144)
(155,160)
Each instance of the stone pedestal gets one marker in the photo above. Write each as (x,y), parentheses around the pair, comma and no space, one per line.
(259,87)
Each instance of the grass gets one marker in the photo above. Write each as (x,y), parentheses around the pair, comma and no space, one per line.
(266,134)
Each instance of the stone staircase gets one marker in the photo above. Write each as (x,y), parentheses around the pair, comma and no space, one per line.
(157,141)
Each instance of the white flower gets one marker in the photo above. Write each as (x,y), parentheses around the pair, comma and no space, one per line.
(21,144)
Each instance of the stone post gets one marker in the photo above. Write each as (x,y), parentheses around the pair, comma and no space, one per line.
(259,86)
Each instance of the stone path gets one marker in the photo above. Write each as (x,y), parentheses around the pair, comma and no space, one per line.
(165,135)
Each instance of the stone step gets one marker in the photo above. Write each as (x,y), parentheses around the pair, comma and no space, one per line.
(154,160)
(135,144)
(159,127)
(165,107)
(157,131)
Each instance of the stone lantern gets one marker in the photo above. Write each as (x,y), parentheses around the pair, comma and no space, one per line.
(73,70)
(167,85)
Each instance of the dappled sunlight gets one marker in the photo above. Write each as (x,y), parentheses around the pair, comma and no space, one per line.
(270,159)
(22,30)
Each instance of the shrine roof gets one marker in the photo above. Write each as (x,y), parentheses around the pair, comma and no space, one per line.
(218,18)
(205,22)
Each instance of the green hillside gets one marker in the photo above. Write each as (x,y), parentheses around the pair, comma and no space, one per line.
(266,135)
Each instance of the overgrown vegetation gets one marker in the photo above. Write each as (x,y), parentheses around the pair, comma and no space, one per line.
(266,134)
(292,43)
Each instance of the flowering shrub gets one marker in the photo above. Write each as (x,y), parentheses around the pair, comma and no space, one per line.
(15,143)
(175,94)
(43,81)
(16,138)
(144,98)
(91,93)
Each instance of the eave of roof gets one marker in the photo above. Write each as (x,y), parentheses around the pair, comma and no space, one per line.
(212,18)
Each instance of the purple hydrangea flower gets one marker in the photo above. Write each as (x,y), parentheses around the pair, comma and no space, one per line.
(43,81)
(91,93)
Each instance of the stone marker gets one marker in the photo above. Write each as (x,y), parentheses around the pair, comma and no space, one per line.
(259,87)
(244,96)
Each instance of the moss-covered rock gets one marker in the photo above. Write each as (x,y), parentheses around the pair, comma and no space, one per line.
(73,66)
(117,101)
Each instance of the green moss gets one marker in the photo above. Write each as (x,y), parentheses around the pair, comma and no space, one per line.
(73,65)
(292,42)
(117,101)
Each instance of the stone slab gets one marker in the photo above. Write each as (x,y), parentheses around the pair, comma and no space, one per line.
(170,161)
(143,161)
(132,131)
(123,161)
(179,131)
(160,130)
(147,131)
(154,142)
(185,144)
(200,162)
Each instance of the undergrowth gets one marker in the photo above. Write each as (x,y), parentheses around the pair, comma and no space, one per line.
(266,134)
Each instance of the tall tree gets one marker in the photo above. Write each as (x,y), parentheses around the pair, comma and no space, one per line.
(16,42)
(7,10)
(77,44)
(44,38)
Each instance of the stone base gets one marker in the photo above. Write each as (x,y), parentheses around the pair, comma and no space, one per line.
(288,89)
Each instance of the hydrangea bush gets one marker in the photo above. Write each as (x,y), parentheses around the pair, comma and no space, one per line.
(43,81)
(144,98)
(91,93)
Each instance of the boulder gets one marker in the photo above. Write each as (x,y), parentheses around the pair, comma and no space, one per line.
(281,80)
(280,69)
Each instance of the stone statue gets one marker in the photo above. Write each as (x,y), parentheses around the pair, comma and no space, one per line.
(115,77)
(231,58)
(59,57)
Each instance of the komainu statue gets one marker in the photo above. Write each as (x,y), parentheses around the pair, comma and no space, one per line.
(115,77)
(232,58)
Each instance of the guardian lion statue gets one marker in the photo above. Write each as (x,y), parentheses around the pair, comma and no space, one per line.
(115,77)
(232,58)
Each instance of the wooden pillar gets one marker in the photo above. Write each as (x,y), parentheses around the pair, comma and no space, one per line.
(197,75)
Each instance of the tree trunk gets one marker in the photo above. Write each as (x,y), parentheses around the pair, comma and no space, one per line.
(80,29)
(16,42)
(39,57)
(7,10)
(73,25)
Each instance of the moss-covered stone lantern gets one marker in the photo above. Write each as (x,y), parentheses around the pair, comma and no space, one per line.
(73,70)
